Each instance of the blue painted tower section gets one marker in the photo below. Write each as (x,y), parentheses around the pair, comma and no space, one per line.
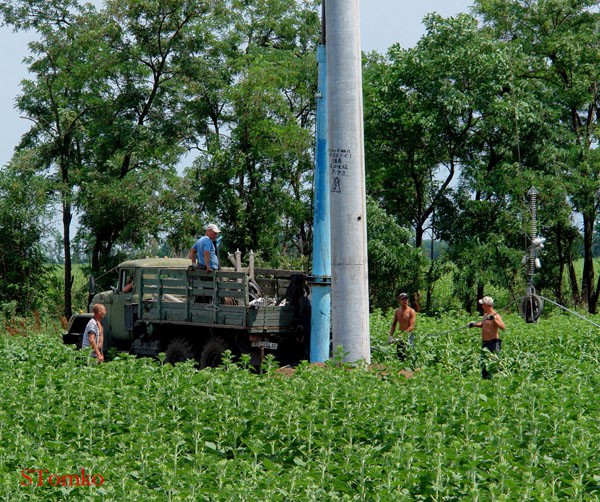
(320,326)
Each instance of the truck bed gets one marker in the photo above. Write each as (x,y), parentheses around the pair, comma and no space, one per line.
(221,299)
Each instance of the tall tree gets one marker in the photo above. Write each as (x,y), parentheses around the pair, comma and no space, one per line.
(560,41)
(108,111)
(23,202)
(55,104)
(255,174)
(395,265)
(436,112)
(145,124)
(425,106)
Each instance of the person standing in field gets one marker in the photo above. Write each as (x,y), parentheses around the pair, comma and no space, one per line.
(490,338)
(204,251)
(93,335)
(404,318)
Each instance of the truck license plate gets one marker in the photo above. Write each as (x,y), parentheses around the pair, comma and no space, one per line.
(265,345)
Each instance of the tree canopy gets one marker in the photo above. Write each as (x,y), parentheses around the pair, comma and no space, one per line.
(151,119)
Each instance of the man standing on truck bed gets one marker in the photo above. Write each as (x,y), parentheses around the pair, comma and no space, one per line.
(204,252)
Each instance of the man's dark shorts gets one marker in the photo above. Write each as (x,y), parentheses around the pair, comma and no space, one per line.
(492,345)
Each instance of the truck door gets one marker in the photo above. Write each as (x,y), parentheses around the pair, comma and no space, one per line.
(123,306)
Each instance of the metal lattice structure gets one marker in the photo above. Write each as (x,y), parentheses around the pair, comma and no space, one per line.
(532,304)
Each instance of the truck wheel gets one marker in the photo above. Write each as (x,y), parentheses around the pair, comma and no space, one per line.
(212,353)
(179,350)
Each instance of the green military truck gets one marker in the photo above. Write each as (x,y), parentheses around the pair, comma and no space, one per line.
(165,305)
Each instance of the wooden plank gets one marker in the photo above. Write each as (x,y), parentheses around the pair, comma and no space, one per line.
(278,317)
(173,311)
(174,281)
(231,286)
(271,317)
(235,276)
(201,315)
(231,294)
(231,315)
(201,283)
(152,313)
(174,291)
(195,275)
(201,292)
(170,286)
(276,272)
(274,287)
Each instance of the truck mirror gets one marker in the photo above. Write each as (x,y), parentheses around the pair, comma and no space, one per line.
(92,285)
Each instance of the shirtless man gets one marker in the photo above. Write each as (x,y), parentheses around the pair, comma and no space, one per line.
(489,329)
(405,318)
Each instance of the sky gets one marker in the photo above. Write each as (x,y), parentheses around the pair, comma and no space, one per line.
(383,23)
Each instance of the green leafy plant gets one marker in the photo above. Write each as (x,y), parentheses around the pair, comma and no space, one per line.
(321,432)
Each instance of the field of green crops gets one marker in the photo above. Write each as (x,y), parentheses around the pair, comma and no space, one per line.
(140,430)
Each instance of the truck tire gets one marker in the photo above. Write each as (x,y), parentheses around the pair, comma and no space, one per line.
(212,353)
(179,350)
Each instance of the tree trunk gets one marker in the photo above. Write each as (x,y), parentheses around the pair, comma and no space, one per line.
(594,299)
(95,260)
(468,303)
(66,217)
(419,236)
(430,281)
(479,295)
(587,280)
(576,297)
(562,259)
